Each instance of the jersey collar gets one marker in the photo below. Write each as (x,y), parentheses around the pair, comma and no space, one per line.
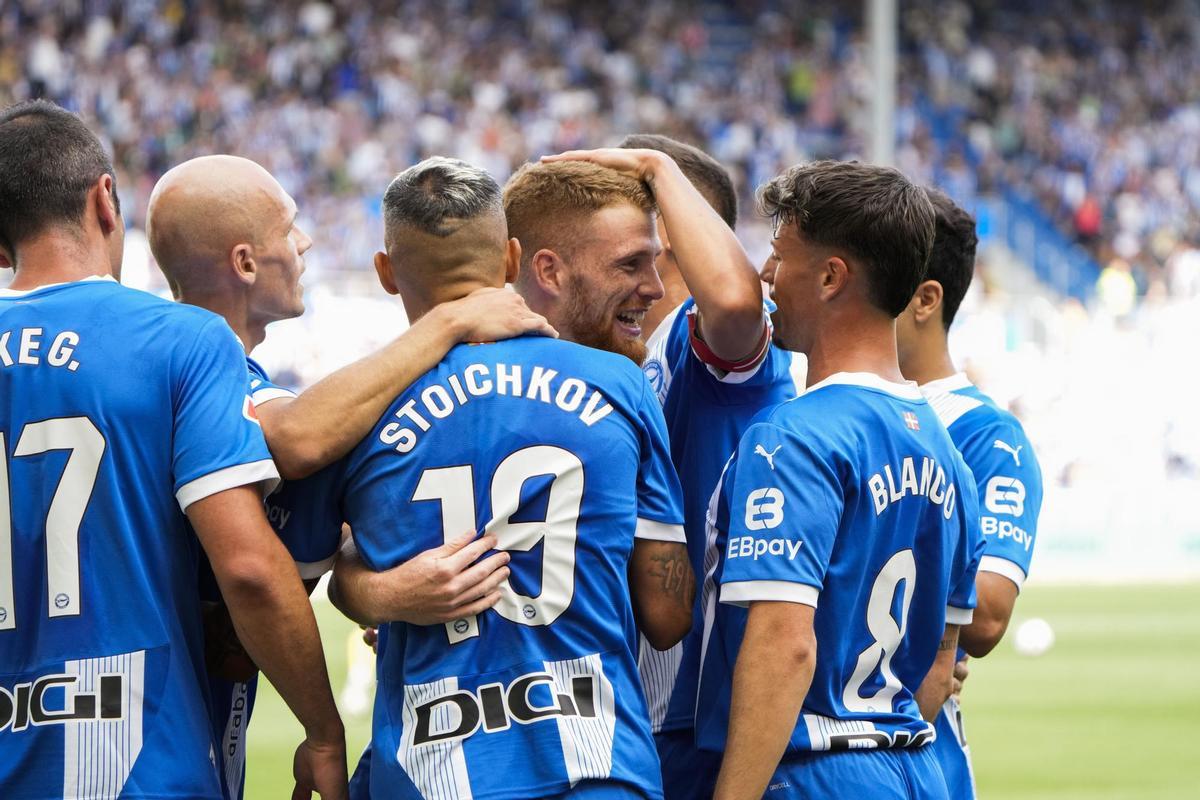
(25,292)
(869,380)
(958,380)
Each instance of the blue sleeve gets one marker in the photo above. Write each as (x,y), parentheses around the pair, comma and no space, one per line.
(307,515)
(262,388)
(785,505)
(218,442)
(660,498)
(1009,483)
(961,602)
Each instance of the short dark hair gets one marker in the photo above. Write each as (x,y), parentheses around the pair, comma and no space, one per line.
(872,213)
(705,172)
(952,262)
(431,195)
(48,162)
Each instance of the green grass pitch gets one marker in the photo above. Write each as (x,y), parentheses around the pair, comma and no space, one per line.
(1112,711)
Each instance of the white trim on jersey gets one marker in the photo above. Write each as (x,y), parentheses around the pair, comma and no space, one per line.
(659,531)
(24,292)
(99,755)
(238,475)
(310,570)
(262,396)
(1002,566)
(953,383)
(742,593)
(959,616)
(658,670)
(906,391)
(587,742)
(233,741)
(437,769)
(951,407)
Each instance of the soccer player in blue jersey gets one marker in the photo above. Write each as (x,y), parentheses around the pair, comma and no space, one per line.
(844,526)
(224,233)
(713,367)
(994,445)
(559,450)
(119,411)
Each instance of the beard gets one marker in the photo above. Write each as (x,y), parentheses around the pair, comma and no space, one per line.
(592,325)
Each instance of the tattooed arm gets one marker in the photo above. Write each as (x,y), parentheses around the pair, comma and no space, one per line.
(663,589)
(939,681)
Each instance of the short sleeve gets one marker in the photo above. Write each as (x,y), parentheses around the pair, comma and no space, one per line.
(785,505)
(960,605)
(660,498)
(307,516)
(1010,499)
(217,439)
(263,390)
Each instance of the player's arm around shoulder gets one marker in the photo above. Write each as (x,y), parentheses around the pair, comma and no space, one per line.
(325,421)
(1009,498)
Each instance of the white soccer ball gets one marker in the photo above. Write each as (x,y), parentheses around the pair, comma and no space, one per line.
(1033,637)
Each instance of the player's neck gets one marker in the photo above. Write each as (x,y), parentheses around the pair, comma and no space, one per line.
(235,310)
(675,291)
(866,346)
(926,364)
(57,258)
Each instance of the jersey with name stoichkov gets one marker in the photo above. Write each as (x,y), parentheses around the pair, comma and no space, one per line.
(853,500)
(1008,480)
(560,451)
(707,403)
(117,410)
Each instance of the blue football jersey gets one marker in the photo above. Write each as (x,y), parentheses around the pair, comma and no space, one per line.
(851,499)
(1008,478)
(706,409)
(561,452)
(1009,487)
(117,410)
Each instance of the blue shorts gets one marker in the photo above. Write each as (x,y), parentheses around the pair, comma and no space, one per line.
(908,773)
(688,772)
(953,753)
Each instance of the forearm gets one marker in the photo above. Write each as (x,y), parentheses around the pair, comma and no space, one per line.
(274,620)
(326,420)
(664,591)
(713,263)
(996,596)
(771,679)
(939,681)
(355,589)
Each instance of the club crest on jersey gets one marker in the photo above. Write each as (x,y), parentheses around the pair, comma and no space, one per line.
(494,707)
(55,700)
(911,422)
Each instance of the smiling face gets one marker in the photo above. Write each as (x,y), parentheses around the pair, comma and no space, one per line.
(611,281)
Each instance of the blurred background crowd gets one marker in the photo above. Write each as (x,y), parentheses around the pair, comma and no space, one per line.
(1070,128)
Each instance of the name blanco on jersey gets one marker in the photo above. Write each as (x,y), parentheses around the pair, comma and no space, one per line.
(932,484)
(27,345)
(478,380)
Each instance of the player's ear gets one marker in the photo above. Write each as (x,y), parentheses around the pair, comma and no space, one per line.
(834,276)
(927,301)
(548,272)
(512,261)
(241,259)
(105,204)
(383,269)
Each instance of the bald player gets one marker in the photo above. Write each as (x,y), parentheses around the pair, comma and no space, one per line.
(224,233)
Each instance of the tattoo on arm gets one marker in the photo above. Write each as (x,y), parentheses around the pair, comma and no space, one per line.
(673,572)
(949,642)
